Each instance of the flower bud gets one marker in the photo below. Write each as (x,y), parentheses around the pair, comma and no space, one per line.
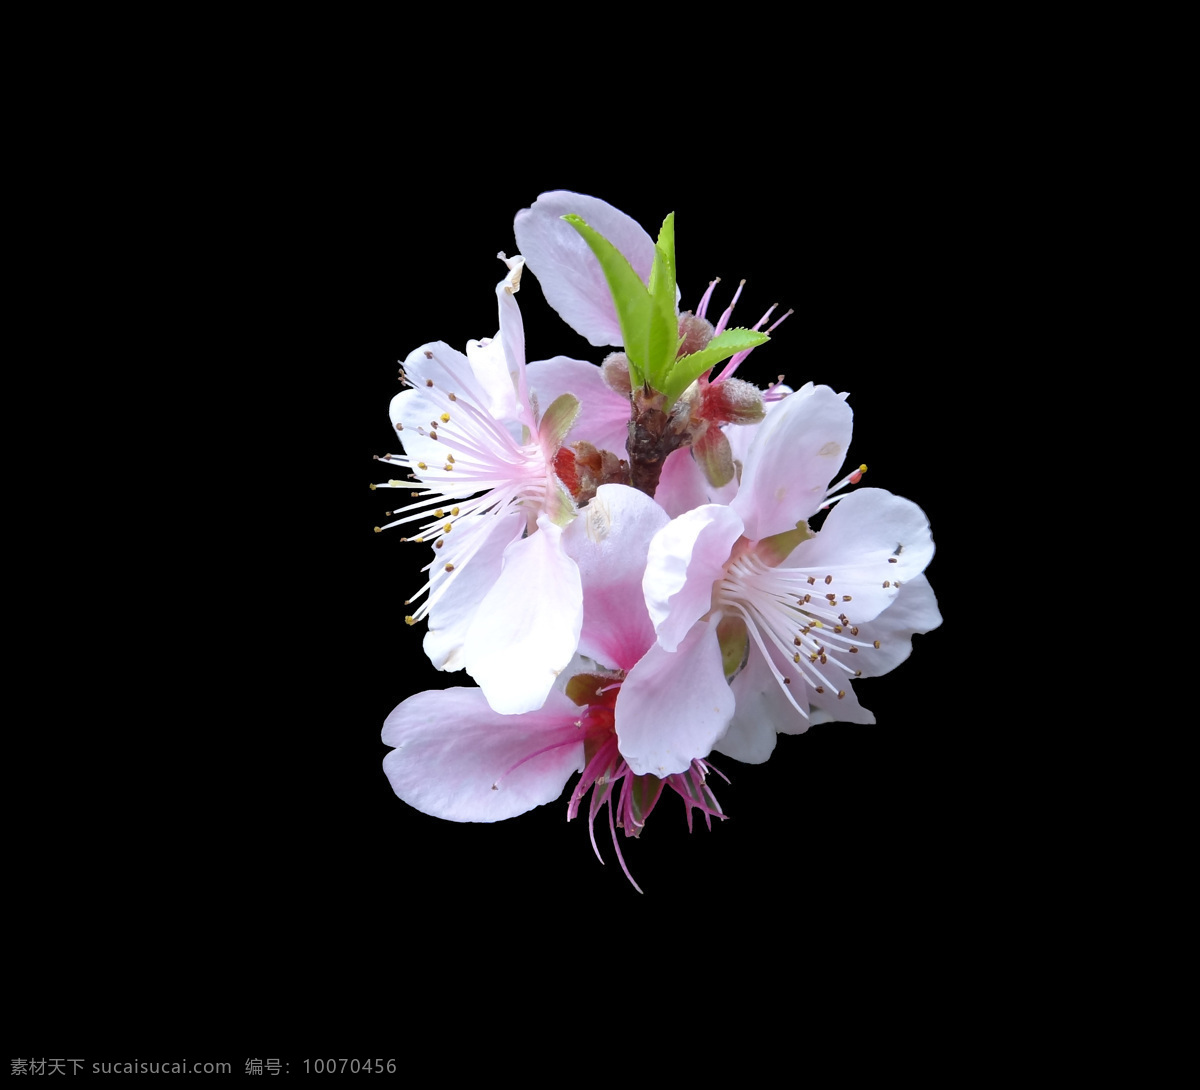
(733,401)
(696,333)
(615,372)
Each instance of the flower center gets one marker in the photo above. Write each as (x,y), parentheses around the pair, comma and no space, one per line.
(478,463)
(792,613)
(605,769)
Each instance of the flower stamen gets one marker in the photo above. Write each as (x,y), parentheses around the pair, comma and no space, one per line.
(781,616)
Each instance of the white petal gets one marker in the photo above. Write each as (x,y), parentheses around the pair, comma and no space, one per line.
(856,544)
(415,409)
(674,705)
(570,275)
(527,626)
(795,453)
(495,376)
(914,611)
(455,756)
(761,708)
(826,707)
(499,362)
(686,557)
(609,542)
(603,419)
(482,539)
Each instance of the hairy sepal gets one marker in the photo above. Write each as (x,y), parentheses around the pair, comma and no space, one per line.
(556,422)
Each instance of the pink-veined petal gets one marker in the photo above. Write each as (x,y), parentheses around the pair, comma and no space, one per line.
(413,411)
(527,626)
(686,557)
(456,758)
(674,705)
(570,275)
(609,542)
(603,417)
(682,486)
(794,455)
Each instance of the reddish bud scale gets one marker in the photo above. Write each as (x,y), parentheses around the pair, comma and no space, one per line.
(564,466)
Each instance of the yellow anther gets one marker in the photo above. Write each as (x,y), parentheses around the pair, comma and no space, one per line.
(439,513)
(446,528)
(862,468)
(454,510)
(372,488)
(379,529)
(449,567)
(817,624)
(449,457)
(445,418)
(447,467)
(410,619)
(422,465)
(418,539)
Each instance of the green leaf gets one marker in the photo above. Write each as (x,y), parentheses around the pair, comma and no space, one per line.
(663,335)
(685,370)
(629,294)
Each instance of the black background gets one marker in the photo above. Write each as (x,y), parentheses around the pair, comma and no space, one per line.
(237,826)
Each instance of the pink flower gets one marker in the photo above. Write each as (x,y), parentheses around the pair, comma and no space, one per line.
(458,759)
(502,598)
(748,589)
(575,284)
